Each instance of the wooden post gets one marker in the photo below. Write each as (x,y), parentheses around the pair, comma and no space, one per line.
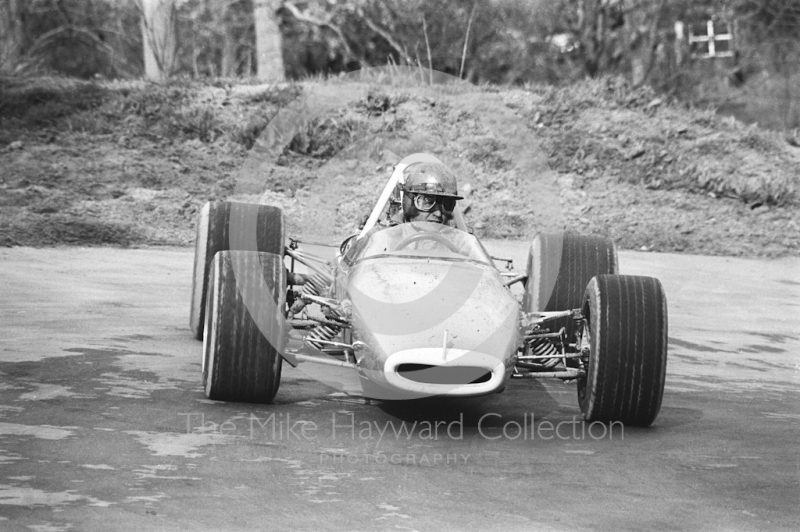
(679,43)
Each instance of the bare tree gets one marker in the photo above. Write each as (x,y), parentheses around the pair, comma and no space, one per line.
(269,50)
(642,19)
(618,35)
(159,37)
(223,15)
(11,34)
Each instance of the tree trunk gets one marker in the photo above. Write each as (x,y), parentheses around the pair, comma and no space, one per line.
(159,29)
(269,55)
(636,40)
(590,31)
(11,34)
(229,48)
(641,36)
(223,20)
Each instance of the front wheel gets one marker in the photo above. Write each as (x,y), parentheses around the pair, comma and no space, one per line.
(625,331)
(245,329)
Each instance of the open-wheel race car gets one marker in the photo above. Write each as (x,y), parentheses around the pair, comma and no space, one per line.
(420,309)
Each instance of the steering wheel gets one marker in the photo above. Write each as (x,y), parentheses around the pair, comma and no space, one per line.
(435,237)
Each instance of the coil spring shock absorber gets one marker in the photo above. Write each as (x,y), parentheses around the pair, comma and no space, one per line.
(543,347)
(322,332)
(315,285)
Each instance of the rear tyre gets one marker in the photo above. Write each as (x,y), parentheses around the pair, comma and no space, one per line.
(245,330)
(228,225)
(626,332)
(559,267)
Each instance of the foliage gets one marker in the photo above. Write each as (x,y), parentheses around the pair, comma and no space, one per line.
(498,41)
(82,38)
(761,83)
(44,101)
(85,38)
(768,32)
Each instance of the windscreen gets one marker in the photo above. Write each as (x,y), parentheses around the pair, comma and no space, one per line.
(421,239)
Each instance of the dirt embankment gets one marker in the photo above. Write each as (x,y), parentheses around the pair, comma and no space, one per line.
(131,163)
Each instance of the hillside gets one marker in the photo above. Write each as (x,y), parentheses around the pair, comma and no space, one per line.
(130,163)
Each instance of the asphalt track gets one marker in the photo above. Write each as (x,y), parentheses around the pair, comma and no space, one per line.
(104,426)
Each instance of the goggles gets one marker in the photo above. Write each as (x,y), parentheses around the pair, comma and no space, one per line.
(427,202)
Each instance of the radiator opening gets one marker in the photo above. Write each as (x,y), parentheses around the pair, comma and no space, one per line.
(457,375)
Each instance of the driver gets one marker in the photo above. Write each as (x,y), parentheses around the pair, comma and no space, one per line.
(429,195)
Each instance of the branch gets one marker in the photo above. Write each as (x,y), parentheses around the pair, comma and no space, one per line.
(428,46)
(466,40)
(776,18)
(49,37)
(54,35)
(305,17)
(386,36)
(63,11)
(419,65)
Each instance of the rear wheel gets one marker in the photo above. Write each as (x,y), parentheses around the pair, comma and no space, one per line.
(229,225)
(245,329)
(625,330)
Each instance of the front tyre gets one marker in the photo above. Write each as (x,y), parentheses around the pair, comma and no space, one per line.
(245,328)
(625,330)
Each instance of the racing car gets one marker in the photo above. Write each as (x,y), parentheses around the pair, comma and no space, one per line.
(422,309)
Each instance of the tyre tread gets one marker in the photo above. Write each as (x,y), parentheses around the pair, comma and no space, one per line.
(246,366)
(627,367)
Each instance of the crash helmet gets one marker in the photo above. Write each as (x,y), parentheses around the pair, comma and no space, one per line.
(431,178)
(428,186)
